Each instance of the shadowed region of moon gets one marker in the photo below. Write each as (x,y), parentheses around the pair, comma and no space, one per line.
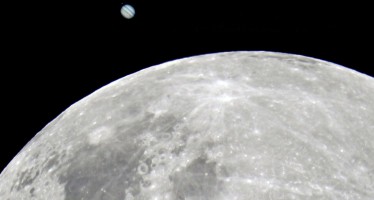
(234,125)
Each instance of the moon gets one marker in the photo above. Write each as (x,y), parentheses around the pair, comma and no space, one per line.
(127,11)
(225,126)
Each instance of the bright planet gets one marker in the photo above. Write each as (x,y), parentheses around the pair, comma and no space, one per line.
(127,11)
(224,126)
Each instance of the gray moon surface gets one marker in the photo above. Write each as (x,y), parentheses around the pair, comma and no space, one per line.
(224,126)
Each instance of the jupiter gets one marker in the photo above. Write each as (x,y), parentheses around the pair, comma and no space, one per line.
(127,11)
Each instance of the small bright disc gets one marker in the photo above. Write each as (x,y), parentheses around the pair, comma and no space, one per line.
(127,11)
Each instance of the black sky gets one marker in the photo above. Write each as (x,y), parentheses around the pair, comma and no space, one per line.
(57,52)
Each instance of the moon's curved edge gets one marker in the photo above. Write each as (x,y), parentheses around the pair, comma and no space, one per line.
(164,65)
(167,64)
(142,72)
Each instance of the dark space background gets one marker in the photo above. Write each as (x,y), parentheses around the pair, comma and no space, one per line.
(54,53)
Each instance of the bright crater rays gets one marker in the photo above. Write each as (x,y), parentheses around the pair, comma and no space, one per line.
(223,126)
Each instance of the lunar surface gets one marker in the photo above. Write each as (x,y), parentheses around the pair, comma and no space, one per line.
(224,126)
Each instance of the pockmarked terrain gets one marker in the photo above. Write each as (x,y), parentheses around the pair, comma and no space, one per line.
(224,126)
